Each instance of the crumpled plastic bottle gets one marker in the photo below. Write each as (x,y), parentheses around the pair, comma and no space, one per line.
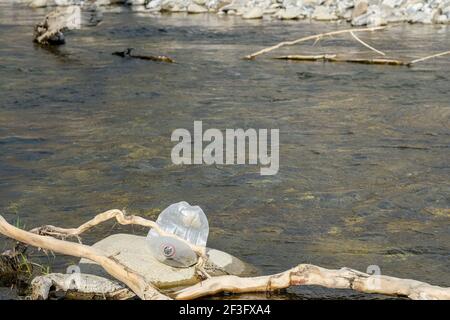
(172,252)
(186,221)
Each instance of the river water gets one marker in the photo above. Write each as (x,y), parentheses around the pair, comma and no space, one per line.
(364,149)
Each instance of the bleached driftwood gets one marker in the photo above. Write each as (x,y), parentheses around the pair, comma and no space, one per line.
(366,45)
(335,58)
(440,54)
(133,280)
(79,286)
(50,30)
(303,274)
(313,37)
(121,218)
(306,274)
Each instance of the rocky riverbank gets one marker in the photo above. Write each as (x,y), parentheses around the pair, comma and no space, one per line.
(357,12)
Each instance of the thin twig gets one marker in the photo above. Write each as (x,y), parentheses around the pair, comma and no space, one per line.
(290,43)
(429,57)
(366,45)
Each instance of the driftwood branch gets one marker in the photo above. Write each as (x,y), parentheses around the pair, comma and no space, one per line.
(335,58)
(80,286)
(121,218)
(430,57)
(306,274)
(128,54)
(366,45)
(313,37)
(133,280)
(303,274)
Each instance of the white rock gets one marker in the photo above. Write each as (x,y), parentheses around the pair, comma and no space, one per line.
(133,252)
(174,5)
(372,18)
(65,3)
(195,8)
(375,21)
(135,2)
(253,13)
(323,13)
(216,5)
(41,3)
(426,17)
(200,2)
(154,5)
(102,2)
(360,9)
(414,8)
(393,3)
(289,14)
(442,19)
(446,11)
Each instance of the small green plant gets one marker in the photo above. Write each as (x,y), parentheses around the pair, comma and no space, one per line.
(18,223)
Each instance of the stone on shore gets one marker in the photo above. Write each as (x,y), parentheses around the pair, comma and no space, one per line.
(253,13)
(289,14)
(323,13)
(196,8)
(360,9)
(133,252)
(135,2)
(358,12)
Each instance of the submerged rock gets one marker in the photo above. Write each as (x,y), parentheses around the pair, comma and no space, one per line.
(133,252)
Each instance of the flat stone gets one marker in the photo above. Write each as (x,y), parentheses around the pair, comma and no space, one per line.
(133,252)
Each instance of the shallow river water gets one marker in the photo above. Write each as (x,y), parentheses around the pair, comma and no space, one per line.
(364,149)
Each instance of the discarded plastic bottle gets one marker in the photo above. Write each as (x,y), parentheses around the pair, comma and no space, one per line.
(186,221)
(172,252)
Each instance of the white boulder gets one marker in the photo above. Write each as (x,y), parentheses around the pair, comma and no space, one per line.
(133,252)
